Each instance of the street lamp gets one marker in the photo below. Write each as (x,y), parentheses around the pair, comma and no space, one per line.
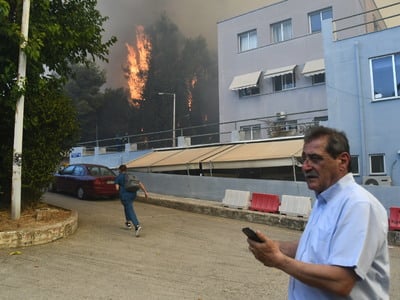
(173,116)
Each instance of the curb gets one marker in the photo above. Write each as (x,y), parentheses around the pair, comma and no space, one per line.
(214,208)
(40,235)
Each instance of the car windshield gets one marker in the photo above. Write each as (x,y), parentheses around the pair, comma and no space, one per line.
(67,171)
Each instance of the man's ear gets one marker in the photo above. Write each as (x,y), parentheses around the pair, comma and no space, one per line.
(344,159)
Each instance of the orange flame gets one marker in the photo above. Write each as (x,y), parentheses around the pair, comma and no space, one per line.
(137,68)
(191,84)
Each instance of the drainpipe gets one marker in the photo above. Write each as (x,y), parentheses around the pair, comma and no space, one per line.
(363,140)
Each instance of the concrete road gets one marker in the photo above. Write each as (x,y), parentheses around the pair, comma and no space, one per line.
(180,255)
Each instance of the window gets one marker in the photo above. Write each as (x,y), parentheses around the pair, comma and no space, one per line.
(78,171)
(377,164)
(255,90)
(320,119)
(247,40)
(318,78)
(315,19)
(281,31)
(355,165)
(284,82)
(68,170)
(251,132)
(385,76)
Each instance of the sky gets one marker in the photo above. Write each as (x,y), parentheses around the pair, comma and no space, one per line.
(193,18)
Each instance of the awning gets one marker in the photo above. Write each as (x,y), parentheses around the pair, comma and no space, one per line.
(314,67)
(279,71)
(245,81)
(175,160)
(257,155)
(232,156)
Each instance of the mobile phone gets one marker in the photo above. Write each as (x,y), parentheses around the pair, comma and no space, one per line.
(251,234)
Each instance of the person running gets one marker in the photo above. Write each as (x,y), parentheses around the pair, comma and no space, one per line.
(127,199)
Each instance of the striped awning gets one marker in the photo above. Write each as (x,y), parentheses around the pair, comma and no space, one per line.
(314,67)
(279,71)
(245,81)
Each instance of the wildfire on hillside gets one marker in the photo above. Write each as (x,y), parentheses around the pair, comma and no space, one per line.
(137,67)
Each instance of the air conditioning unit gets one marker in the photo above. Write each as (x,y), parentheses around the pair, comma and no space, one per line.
(281,115)
(377,180)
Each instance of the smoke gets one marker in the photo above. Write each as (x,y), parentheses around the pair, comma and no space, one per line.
(193,18)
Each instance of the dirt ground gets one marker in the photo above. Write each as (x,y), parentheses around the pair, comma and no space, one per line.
(43,214)
(179,255)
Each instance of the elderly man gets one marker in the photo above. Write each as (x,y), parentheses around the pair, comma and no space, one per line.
(343,251)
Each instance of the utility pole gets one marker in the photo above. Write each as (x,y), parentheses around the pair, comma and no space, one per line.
(19,118)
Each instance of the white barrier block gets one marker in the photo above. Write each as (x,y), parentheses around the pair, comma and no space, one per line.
(297,206)
(236,199)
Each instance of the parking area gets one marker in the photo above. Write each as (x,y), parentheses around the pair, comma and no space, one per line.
(180,255)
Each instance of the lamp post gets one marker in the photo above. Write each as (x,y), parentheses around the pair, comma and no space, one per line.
(173,116)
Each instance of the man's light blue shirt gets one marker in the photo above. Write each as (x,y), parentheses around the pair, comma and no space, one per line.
(347,227)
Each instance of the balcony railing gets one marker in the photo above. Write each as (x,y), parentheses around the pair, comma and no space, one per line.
(372,20)
(273,127)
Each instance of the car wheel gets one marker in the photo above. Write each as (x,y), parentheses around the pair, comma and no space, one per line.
(80,193)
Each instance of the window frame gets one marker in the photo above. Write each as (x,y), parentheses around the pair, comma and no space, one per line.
(355,164)
(320,13)
(247,36)
(279,29)
(251,91)
(381,163)
(392,72)
(315,81)
(254,130)
(280,84)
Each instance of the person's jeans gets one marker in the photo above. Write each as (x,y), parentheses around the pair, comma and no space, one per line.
(130,214)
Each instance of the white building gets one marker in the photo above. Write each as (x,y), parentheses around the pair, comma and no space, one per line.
(272,68)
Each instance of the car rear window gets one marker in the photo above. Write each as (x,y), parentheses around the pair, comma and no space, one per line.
(100,171)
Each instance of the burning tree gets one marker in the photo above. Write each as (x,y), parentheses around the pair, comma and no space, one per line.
(162,60)
(138,65)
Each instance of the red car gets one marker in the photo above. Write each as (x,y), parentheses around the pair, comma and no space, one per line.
(85,181)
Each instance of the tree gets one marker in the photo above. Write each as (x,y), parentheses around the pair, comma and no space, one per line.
(83,88)
(116,116)
(167,42)
(61,33)
(183,67)
(101,115)
(199,85)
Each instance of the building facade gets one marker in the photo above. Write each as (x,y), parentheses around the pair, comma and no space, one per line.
(272,68)
(363,98)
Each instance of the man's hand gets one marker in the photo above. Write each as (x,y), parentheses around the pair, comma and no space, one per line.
(267,252)
(335,279)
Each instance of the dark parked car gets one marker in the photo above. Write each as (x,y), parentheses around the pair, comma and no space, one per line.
(85,181)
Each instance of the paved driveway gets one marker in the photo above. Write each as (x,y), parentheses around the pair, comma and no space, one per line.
(180,255)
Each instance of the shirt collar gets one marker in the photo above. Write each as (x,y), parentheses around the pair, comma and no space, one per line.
(333,190)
